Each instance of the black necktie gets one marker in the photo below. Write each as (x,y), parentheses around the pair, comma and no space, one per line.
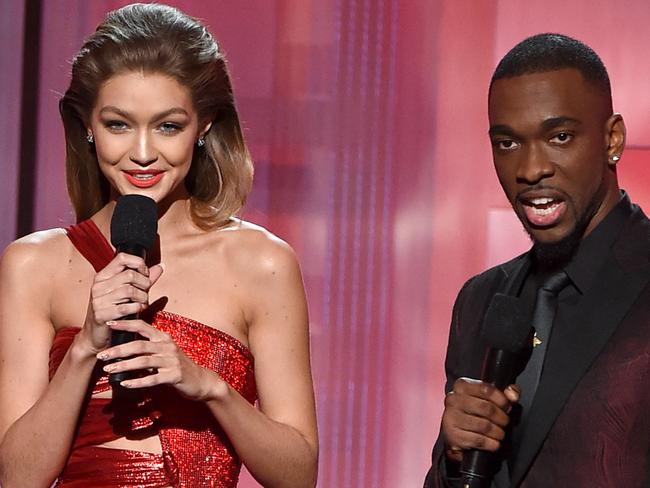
(543,316)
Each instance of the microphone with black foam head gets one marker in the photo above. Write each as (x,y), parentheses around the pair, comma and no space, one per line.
(506,330)
(134,226)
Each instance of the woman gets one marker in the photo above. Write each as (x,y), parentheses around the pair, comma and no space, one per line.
(223,319)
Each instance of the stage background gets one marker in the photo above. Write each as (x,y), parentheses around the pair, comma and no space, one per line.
(367,122)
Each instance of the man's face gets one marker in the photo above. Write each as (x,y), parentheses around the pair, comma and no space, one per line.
(551,137)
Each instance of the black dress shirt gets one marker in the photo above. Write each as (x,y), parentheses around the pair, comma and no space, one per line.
(582,270)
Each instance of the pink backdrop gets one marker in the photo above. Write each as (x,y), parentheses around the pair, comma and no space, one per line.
(367,121)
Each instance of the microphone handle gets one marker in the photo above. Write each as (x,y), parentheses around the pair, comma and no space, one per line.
(499,367)
(478,467)
(123,336)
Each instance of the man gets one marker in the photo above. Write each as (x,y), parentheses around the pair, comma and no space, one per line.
(579,414)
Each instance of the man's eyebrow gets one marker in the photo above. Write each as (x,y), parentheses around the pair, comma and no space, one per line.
(554,122)
(500,129)
(548,124)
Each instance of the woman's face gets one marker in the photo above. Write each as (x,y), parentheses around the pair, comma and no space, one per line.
(145,129)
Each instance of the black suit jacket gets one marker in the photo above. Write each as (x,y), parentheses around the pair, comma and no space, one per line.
(591,412)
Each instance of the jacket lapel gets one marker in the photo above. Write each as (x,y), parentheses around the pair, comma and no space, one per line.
(515,272)
(573,349)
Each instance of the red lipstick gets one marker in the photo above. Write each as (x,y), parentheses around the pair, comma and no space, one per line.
(143,178)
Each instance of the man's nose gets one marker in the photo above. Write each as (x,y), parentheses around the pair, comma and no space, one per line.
(143,152)
(534,166)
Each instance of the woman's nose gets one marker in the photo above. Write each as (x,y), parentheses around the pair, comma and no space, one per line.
(144,152)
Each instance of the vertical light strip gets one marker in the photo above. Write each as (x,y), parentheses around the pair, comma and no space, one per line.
(341,371)
(29,113)
(326,400)
(357,352)
(11,39)
(386,244)
(368,331)
(359,245)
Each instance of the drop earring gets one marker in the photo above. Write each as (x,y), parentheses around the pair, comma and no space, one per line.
(90,139)
(200,142)
(615,158)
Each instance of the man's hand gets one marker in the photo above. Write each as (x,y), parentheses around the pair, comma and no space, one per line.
(475,416)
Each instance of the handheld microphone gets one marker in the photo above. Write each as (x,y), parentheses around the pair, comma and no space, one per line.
(134,226)
(506,329)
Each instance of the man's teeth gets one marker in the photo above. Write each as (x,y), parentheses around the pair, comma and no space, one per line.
(541,201)
(544,211)
(543,205)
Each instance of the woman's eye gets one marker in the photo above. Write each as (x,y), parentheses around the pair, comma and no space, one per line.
(170,127)
(116,125)
(561,138)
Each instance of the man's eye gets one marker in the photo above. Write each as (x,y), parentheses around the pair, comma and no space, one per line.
(561,138)
(506,145)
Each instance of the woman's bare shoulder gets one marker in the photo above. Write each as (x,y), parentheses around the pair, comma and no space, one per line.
(257,249)
(37,251)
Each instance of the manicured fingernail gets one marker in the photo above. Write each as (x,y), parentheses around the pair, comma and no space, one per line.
(109,367)
(103,356)
(111,322)
(126,384)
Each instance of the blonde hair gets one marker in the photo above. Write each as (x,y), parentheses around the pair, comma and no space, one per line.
(154,38)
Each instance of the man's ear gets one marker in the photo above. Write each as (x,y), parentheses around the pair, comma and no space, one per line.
(615,134)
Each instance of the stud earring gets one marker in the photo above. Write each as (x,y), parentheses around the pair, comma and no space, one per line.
(615,158)
(90,139)
(200,142)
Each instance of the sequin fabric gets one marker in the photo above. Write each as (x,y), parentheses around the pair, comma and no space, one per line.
(195,450)
(100,467)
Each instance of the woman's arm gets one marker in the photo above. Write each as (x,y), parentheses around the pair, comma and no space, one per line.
(279,442)
(38,417)
(37,420)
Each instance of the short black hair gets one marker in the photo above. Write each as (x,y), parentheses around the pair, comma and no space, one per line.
(550,52)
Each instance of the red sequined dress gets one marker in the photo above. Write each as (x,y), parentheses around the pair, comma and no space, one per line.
(195,450)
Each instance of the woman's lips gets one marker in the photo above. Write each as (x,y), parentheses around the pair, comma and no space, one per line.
(543,211)
(143,179)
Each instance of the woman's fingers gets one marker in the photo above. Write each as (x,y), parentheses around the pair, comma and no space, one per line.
(123,293)
(161,359)
(155,341)
(121,262)
(159,355)
(119,290)
(155,272)
(128,277)
(143,382)
(103,314)
(128,293)
(140,327)
(134,363)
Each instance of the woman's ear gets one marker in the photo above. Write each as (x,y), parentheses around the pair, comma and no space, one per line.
(205,129)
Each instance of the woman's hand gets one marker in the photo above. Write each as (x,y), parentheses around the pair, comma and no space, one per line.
(120,289)
(168,363)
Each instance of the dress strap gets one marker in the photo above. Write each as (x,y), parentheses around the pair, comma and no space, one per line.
(91,243)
